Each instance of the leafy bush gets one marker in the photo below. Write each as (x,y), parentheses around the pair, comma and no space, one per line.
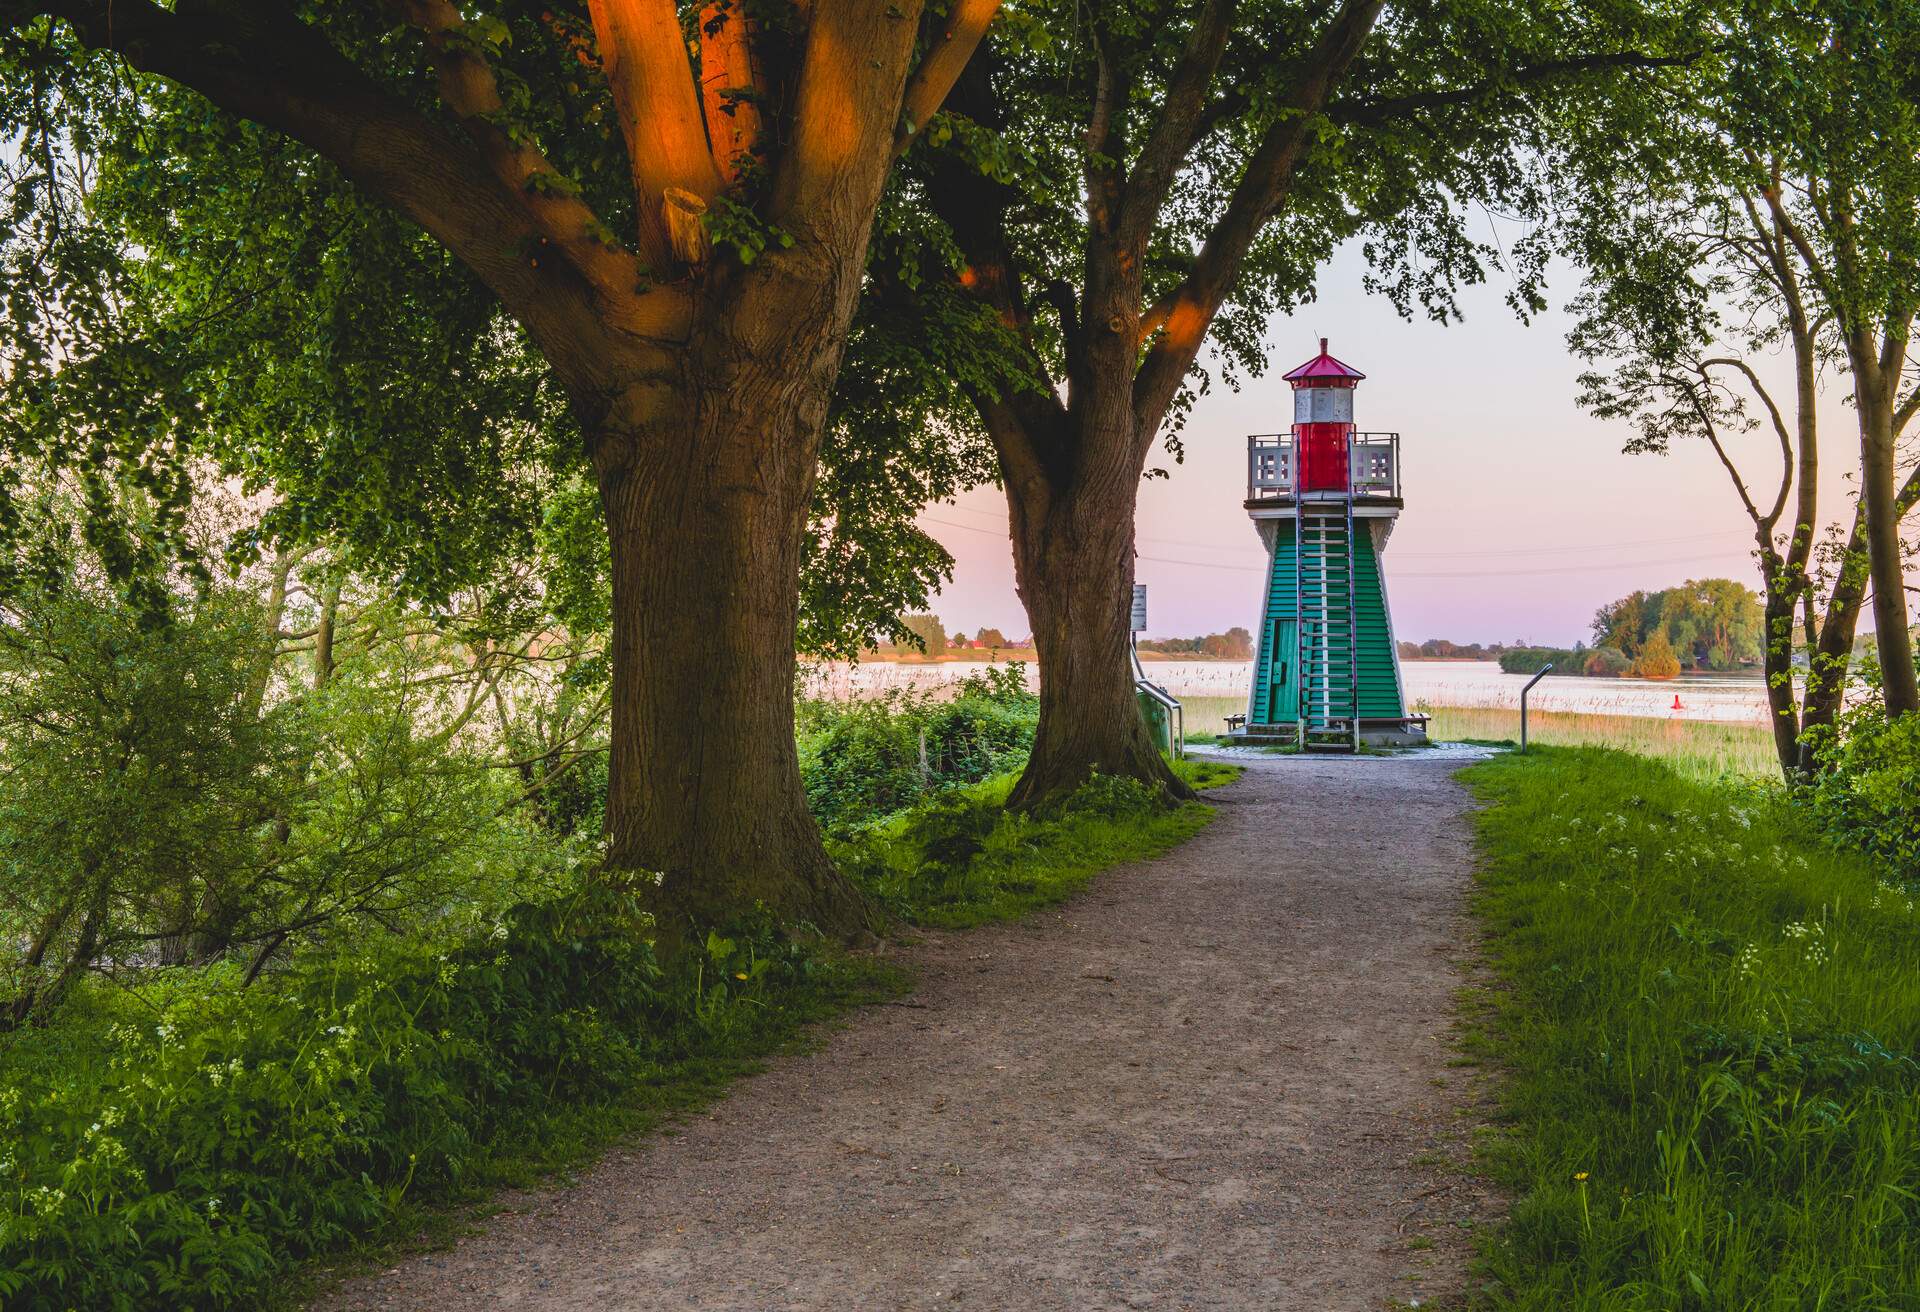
(1866,792)
(189,1156)
(1656,659)
(161,804)
(1528,660)
(137,776)
(1607,663)
(867,759)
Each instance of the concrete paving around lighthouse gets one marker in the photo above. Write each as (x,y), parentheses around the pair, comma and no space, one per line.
(1215,1080)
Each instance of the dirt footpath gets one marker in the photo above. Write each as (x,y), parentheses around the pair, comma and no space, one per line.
(1204,1083)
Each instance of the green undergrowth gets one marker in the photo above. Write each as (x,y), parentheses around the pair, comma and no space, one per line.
(191,1145)
(188,1143)
(1707,1023)
(964,859)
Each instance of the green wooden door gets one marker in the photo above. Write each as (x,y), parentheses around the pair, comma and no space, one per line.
(1283,699)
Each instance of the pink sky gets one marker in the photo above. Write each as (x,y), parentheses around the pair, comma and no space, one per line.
(1523,516)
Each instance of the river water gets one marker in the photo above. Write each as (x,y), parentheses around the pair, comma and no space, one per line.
(1729,698)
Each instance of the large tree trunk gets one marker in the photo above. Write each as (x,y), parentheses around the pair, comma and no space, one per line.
(1073,561)
(705,484)
(1879,491)
(1832,653)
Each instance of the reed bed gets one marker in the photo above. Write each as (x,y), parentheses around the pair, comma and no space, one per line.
(1208,715)
(1701,749)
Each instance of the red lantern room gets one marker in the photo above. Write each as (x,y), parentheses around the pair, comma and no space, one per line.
(1323,421)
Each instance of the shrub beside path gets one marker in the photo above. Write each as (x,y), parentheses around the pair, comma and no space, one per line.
(1214,1080)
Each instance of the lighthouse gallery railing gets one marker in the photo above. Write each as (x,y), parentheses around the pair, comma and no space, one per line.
(1273,466)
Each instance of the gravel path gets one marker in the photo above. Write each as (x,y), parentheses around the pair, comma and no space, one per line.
(1207,1082)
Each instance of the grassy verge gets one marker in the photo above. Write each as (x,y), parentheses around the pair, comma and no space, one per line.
(1707,1023)
(965,859)
(1702,749)
(194,1144)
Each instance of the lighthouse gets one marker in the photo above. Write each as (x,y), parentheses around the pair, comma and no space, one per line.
(1324,497)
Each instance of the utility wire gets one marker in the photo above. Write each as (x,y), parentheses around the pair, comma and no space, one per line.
(1399,574)
(1722,535)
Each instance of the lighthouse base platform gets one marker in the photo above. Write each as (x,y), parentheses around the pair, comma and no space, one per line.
(1399,731)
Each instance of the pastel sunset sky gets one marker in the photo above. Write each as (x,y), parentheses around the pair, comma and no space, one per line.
(1523,515)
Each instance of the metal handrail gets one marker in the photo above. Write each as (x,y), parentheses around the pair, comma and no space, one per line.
(1177,717)
(1176,713)
(1523,702)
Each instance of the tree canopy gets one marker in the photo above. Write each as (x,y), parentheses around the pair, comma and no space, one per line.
(294,332)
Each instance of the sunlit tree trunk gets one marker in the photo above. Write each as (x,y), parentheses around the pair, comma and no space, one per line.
(706,481)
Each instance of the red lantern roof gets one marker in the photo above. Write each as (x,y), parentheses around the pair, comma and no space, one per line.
(1322,367)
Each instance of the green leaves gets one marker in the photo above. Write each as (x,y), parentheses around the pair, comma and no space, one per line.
(736,227)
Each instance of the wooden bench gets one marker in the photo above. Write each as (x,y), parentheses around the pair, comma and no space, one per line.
(1235,723)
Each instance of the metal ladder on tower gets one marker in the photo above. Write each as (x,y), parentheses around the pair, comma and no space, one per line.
(1328,651)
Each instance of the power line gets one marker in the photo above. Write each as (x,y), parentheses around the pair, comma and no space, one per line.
(1401,574)
(1409,555)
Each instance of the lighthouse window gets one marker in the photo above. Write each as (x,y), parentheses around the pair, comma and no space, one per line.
(1323,405)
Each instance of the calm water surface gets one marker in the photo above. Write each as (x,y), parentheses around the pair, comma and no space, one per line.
(1725,697)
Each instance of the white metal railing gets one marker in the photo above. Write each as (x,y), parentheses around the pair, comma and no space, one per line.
(1270,468)
(1370,463)
(1273,466)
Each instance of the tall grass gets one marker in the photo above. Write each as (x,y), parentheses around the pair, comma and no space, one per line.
(1704,749)
(1208,715)
(1708,1022)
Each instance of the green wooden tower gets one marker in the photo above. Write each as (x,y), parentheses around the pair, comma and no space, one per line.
(1323,497)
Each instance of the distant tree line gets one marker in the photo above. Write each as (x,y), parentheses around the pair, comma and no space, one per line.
(1708,624)
(1440,649)
(929,635)
(1236,644)
(1704,624)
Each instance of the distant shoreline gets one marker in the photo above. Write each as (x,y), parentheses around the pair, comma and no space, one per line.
(1005,654)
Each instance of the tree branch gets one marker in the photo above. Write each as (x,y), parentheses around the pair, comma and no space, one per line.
(1172,135)
(469,89)
(1779,428)
(280,72)
(1904,413)
(732,83)
(1262,188)
(928,87)
(1365,112)
(658,106)
(1105,138)
(1713,439)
